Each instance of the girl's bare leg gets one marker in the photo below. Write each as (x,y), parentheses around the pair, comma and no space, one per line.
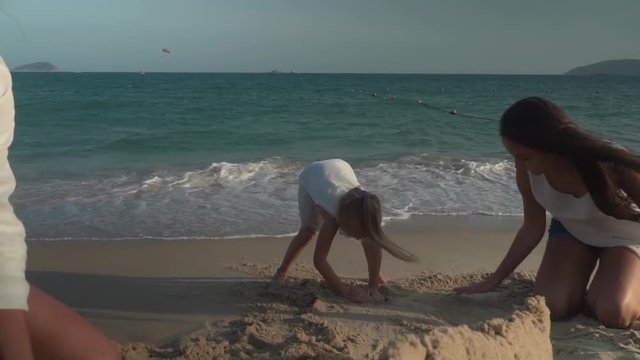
(298,243)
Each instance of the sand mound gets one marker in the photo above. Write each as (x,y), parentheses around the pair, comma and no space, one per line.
(308,337)
(525,335)
(302,319)
(283,322)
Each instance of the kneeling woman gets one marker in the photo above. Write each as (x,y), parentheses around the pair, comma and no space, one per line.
(591,187)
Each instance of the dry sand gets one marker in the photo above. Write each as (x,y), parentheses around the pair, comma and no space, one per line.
(524,335)
(214,300)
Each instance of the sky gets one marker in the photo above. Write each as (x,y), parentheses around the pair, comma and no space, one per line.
(326,36)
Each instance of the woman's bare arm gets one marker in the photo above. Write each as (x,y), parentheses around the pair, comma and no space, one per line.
(527,238)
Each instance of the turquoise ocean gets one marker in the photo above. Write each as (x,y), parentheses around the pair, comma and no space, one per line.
(178,156)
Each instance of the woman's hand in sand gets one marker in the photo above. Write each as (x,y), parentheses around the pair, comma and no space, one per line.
(486,285)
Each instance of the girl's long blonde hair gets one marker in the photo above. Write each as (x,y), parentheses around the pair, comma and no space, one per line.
(367,207)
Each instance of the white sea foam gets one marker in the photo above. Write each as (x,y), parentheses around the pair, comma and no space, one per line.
(243,199)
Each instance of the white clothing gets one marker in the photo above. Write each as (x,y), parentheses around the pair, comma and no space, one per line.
(582,218)
(14,288)
(323,183)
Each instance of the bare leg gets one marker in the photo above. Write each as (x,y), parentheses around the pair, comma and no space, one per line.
(614,294)
(58,332)
(296,246)
(563,276)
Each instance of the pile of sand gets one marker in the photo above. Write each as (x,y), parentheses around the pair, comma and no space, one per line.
(286,325)
(524,335)
(303,319)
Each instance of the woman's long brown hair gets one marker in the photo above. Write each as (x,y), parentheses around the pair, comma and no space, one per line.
(367,207)
(542,125)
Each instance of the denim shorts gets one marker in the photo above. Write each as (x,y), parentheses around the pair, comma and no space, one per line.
(556,228)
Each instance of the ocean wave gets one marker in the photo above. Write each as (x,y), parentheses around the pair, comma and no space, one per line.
(242,199)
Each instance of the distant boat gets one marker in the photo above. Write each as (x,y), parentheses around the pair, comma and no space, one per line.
(280,71)
(140,72)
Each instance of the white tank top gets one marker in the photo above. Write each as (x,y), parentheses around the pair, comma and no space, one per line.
(582,218)
(326,181)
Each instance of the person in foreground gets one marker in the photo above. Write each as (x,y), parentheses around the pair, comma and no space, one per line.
(331,199)
(591,187)
(33,325)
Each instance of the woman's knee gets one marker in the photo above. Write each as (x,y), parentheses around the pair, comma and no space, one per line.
(561,304)
(561,309)
(614,312)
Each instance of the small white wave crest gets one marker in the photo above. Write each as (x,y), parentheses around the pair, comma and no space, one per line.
(228,199)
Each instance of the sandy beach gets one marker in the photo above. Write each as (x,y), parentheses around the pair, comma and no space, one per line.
(212,299)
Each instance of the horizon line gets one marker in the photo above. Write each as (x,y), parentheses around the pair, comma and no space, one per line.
(291,73)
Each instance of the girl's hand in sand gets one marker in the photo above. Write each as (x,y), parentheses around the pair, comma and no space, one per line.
(382,280)
(357,295)
(486,285)
(375,295)
(279,278)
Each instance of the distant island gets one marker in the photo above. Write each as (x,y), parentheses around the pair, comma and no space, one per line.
(627,67)
(40,66)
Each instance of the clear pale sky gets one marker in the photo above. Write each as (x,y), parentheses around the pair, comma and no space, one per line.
(379,36)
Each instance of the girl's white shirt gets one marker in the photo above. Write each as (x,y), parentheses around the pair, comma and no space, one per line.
(583,219)
(327,181)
